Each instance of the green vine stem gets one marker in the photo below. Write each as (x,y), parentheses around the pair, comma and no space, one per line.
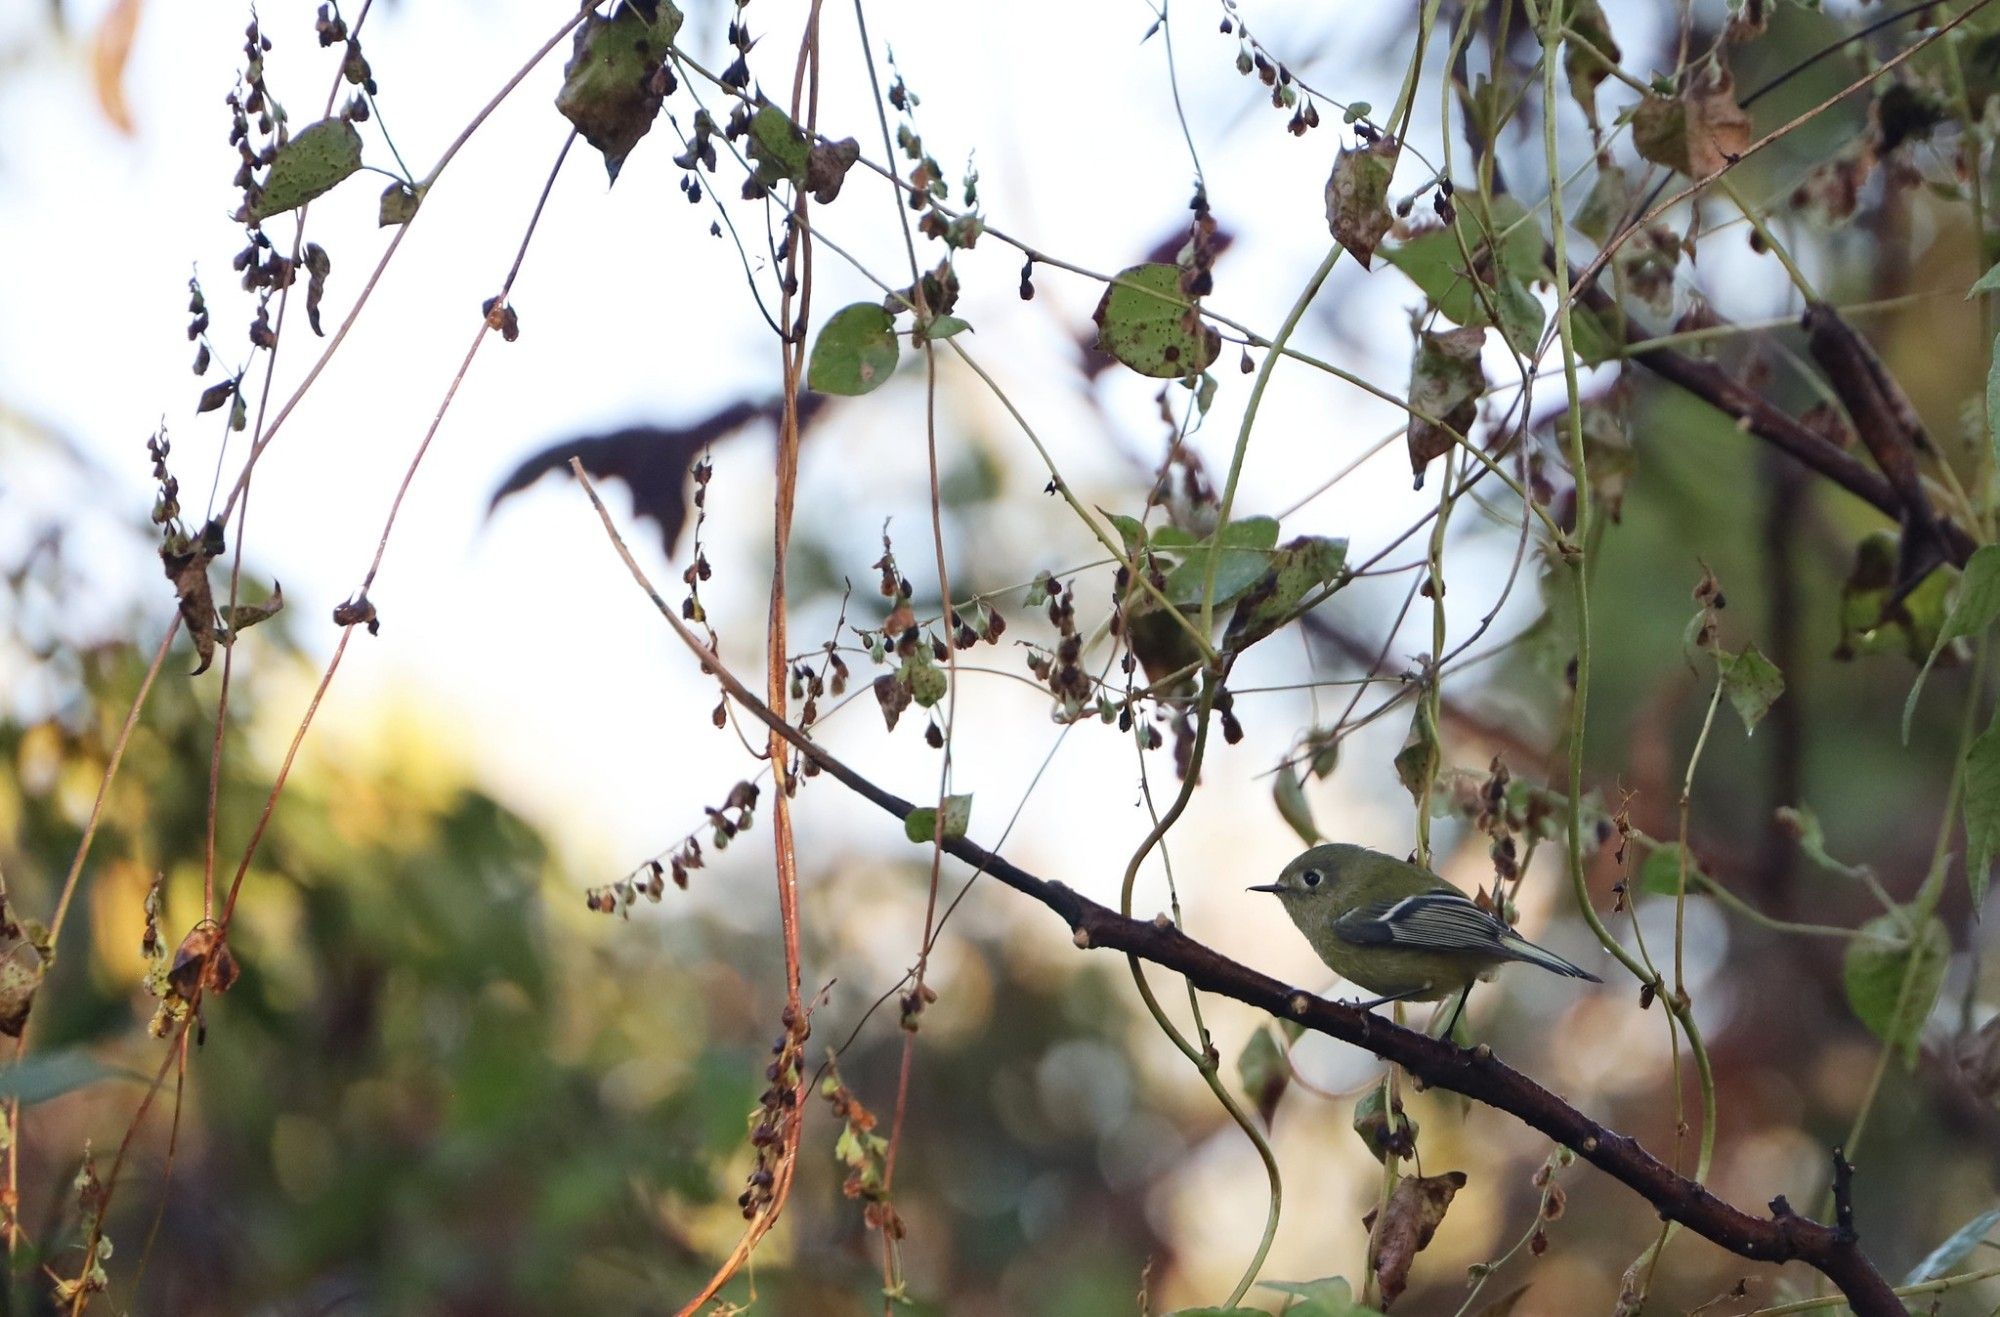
(1204,1057)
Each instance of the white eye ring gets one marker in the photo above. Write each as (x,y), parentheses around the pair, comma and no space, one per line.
(1310,877)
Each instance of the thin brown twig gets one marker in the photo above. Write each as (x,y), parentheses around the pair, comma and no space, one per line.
(791,351)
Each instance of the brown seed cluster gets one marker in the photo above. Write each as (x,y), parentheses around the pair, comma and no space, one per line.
(777,1111)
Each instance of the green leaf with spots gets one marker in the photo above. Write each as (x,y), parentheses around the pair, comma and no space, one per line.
(926,680)
(1300,570)
(317,158)
(1357,197)
(612,87)
(1446,383)
(921,825)
(399,205)
(781,151)
(1875,971)
(855,352)
(1753,684)
(1147,322)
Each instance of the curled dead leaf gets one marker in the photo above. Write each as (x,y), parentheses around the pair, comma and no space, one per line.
(1696,133)
(203,961)
(21,969)
(1415,1209)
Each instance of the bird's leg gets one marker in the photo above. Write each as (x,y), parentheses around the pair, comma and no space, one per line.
(1373,1002)
(1456,1012)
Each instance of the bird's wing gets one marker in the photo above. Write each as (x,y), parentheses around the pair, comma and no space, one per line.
(1430,921)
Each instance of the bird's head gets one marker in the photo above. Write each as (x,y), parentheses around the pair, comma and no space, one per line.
(1315,877)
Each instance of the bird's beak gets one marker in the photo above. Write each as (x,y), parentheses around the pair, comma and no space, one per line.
(1265,887)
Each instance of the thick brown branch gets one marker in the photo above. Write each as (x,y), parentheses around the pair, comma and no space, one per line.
(1473,1072)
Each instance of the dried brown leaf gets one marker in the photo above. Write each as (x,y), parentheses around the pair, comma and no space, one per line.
(203,960)
(1415,1209)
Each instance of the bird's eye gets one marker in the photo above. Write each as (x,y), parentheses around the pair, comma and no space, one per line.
(1310,877)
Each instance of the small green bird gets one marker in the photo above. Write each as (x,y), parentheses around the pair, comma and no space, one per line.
(1397,929)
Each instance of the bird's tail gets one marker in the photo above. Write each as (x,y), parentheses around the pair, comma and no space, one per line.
(1522,949)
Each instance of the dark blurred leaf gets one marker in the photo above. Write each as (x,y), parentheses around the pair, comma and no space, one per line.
(215,395)
(1264,1071)
(318,265)
(249,615)
(1993,389)
(1876,966)
(1147,322)
(1607,207)
(39,1076)
(652,460)
(1870,623)
(1591,60)
(1378,1131)
(1505,244)
(317,158)
(1417,762)
(1289,794)
(186,565)
(610,91)
(855,352)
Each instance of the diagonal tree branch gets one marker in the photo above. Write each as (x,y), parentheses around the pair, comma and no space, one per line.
(1784,1236)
